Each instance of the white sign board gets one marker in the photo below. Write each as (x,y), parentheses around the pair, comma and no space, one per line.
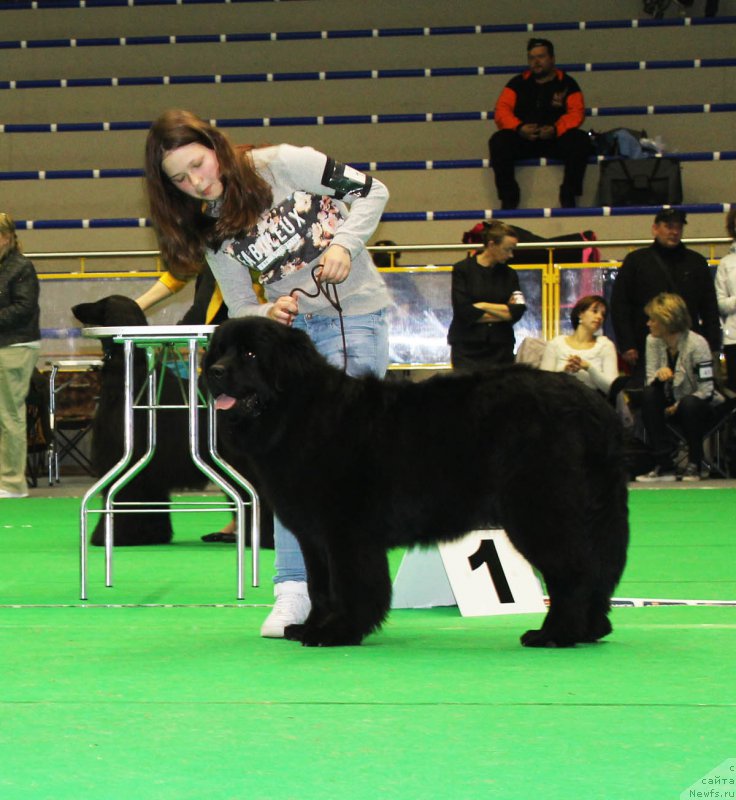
(482,573)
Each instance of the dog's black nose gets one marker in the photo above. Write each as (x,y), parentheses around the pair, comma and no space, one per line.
(216,372)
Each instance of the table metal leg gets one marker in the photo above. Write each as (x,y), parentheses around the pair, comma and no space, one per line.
(255,503)
(218,479)
(139,465)
(106,479)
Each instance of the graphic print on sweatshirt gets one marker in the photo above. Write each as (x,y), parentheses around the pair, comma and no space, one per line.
(288,236)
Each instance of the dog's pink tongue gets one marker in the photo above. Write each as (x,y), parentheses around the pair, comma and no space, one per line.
(223,402)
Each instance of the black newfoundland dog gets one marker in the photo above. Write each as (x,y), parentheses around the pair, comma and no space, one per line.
(171,467)
(357,466)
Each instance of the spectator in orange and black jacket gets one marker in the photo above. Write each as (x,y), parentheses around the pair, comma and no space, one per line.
(539,114)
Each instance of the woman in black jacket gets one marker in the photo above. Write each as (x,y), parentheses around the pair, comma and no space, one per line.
(486,303)
(20,340)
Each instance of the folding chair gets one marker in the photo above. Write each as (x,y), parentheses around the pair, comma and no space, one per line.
(717,453)
(38,430)
(531,351)
(72,405)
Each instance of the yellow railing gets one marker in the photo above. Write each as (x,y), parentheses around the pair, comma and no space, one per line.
(550,277)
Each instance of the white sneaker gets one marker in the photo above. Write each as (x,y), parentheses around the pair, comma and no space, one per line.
(12,495)
(292,607)
(657,474)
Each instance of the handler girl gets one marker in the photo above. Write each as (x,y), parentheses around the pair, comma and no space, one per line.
(272,215)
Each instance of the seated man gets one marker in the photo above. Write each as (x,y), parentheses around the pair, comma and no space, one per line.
(539,114)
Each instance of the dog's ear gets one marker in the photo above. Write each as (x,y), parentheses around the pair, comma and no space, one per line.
(301,346)
(90,313)
(296,357)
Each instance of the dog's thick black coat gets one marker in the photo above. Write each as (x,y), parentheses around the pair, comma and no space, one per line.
(357,466)
(171,467)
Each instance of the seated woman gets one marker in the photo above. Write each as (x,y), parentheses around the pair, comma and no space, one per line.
(679,387)
(585,354)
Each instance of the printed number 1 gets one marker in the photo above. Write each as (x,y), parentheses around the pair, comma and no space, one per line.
(488,555)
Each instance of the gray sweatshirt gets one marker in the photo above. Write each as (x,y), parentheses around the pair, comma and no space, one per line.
(694,368)
(309,213)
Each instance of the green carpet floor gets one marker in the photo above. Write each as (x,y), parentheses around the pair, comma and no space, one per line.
(161,688)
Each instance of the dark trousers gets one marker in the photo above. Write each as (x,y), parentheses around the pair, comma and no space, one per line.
(507,147)
(693,416)
(711,6)
(479,357)
(729,351)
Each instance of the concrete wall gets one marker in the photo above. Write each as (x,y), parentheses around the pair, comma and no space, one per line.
(705,182)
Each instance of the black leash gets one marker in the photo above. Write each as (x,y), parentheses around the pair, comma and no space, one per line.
(334,301)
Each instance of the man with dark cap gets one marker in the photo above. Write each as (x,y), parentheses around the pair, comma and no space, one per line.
(665,266)
(539,114)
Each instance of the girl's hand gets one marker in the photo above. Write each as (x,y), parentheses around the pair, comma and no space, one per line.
(334,265)
(283,310)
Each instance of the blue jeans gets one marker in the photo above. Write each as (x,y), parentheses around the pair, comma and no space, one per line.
(367,340)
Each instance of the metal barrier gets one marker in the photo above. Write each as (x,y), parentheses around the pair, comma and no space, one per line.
(428,287)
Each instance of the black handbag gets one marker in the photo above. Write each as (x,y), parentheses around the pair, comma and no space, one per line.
(640,182)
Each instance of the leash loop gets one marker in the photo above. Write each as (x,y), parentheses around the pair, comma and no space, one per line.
(334,300)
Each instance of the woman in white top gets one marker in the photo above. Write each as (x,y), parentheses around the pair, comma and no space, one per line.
(586,354)
(726,294)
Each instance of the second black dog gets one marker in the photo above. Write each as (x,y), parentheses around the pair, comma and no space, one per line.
(171,467)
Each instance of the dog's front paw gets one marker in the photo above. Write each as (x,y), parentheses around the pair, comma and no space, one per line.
(544,638)
(294,632)
(322,635)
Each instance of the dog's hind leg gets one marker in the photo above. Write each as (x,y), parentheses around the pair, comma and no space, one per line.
(613,559)
(359,599)
(612,536)
(567,620)
(580,594)
(557,547)
(598,623)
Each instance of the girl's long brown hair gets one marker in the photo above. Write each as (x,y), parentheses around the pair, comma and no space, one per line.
(183,230)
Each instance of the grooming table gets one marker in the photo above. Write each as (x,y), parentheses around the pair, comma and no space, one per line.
(162,345)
